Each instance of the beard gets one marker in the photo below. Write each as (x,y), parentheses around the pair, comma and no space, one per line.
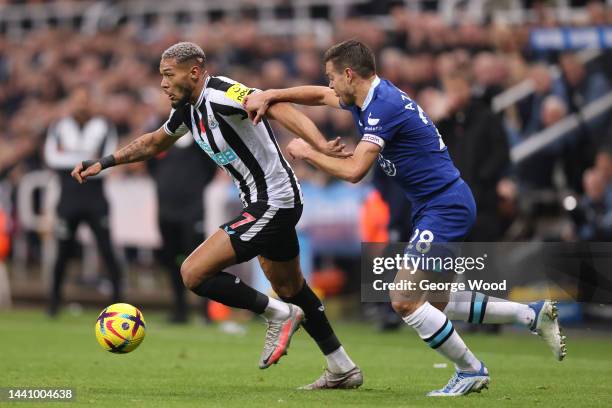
(187,92)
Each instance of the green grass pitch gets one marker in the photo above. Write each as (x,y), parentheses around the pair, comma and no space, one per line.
(199,366)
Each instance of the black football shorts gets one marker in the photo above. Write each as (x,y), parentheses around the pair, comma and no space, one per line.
(265,230)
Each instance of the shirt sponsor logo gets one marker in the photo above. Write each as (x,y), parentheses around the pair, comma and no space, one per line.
(372,121)
(221,158)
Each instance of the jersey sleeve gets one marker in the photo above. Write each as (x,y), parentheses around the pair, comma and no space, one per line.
(235,94)
(382,123)
(175,125)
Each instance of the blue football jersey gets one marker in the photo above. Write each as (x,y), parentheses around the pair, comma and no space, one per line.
(412,150)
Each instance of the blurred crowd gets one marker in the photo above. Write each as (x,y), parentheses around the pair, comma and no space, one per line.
(454,71)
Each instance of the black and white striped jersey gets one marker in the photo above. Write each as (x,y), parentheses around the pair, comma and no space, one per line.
(249,154)
(69,143)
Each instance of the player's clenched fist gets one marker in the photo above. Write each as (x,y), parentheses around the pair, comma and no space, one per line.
(298,149)
(85,169)
(257,104)
(89,168)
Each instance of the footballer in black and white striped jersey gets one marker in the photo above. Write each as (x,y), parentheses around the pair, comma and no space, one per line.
(248,153)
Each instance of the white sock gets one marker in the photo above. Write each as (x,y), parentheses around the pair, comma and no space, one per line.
(276,309)
(438,332)
(475,307)
(338,362)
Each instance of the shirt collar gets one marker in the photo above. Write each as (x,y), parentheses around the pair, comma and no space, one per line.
(201,97)
(370,95)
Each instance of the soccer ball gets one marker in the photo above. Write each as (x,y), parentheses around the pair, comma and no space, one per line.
(120,328)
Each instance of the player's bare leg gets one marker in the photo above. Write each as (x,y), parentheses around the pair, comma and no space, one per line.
(208,259)
(438,332)
(203,274)
(288,282)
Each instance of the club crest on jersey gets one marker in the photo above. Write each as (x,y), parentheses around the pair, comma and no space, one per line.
(387,166)
(212,122)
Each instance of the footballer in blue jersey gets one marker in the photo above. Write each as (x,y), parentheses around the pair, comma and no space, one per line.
(398,134)
(413,153)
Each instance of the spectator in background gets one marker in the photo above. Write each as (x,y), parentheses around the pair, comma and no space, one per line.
(489,76)
(536,172)
(342,125)
(552,111)
(478,145)
(594,220)
(180,210)
(390,65)
(308,68)
(530,107)
(80,135)
(582,89)
(603,164)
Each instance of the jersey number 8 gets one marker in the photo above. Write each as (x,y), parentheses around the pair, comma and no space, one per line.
(425,238)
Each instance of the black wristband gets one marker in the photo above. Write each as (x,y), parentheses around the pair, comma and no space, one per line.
(107,161)
(88,163)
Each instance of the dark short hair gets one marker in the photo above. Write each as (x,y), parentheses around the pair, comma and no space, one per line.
(352,54)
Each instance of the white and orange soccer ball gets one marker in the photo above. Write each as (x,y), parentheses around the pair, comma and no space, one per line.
(120,328)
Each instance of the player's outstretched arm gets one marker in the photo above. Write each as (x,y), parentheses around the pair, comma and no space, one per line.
(351,169)
(143,148)
(258,103)
(301,125)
